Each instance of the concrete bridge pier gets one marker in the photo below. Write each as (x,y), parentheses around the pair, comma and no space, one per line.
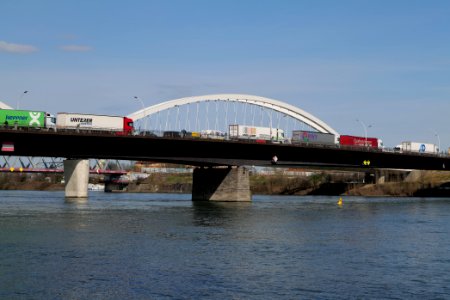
(226,184)
(380,176)
(414,176)
(76,177)
(384,176)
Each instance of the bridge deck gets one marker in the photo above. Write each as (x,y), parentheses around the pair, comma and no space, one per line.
(204,152)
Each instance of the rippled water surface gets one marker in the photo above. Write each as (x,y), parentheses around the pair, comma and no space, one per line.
(155,246)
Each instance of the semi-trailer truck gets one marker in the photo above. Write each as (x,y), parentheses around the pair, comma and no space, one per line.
(360,141)
(312,137)
(26,118)
(80,121)
(418,147)
(247,132)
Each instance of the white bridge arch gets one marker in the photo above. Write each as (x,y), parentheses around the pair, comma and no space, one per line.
(276,105)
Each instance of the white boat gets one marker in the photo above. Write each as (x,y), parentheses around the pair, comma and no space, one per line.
(96,187)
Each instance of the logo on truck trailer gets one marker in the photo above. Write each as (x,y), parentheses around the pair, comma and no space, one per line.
(34,118)
(309,136)
(82,121)
(16,118)
(422,148)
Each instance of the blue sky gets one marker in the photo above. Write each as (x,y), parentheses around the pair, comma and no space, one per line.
(384,62)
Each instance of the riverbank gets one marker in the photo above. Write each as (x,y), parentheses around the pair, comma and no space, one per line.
(32,182)
(427,184)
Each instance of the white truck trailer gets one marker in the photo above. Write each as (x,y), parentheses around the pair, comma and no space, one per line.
(419,147)
(247,132)
(80,121)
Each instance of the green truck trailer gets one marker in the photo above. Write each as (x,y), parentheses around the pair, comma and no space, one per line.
(26,118)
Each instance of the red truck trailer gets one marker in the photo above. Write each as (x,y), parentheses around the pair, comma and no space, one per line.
(360,141)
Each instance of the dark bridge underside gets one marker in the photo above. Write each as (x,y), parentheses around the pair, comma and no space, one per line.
(202,152)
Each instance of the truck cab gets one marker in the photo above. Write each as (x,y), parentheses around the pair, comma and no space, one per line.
(50,121)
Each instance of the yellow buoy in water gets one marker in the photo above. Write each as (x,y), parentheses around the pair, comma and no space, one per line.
(340,201)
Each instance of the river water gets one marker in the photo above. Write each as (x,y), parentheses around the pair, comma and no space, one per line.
(164,246)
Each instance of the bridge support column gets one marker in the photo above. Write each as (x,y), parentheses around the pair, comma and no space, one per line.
(414,176)
(383,176)
(76,177)
(221,184)
(380,176)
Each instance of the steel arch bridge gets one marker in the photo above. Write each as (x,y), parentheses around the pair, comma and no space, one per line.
(276,105)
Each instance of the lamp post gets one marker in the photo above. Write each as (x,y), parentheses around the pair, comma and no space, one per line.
(143,111)
(439,141)
(20,97)
(365,130)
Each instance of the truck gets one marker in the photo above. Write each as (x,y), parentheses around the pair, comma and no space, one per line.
(212,134)
(80,121)
(360,141)
(312,137)
(418,147)
(26,118)
(248,132)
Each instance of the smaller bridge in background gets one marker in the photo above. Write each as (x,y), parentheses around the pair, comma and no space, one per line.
(48,165)
(56,171)
(109,173)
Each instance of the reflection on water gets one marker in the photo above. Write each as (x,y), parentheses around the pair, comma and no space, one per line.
(76,201)
(217,213)
(162,246)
